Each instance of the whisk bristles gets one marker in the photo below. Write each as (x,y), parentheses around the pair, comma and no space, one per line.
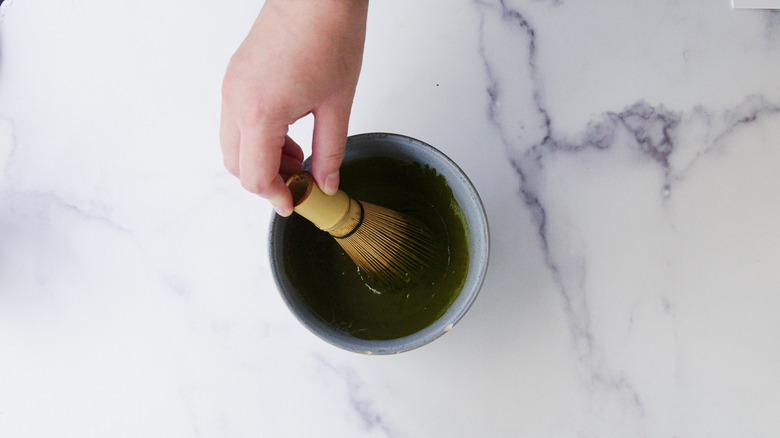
(389,247)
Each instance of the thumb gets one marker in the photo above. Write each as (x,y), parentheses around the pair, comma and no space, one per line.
(328,141)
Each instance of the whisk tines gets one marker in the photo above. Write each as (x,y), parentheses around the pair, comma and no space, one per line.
(389,247)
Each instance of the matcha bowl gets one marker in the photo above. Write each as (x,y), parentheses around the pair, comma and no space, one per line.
(328,294)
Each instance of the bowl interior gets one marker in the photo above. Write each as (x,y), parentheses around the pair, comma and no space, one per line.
(409,150)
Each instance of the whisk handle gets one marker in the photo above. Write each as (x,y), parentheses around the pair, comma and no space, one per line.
(324,211)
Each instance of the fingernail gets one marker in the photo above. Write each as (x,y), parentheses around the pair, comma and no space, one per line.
(281,211)
(331,184)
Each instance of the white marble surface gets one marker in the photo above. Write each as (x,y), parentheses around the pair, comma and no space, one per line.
(627,153)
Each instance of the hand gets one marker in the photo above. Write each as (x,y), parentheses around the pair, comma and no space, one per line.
(300,57)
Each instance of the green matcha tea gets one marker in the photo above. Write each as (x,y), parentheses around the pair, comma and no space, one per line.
(335,289)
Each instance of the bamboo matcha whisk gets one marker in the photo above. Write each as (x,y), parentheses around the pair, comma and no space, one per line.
(389,247)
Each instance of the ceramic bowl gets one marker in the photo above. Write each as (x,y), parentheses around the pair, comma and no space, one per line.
(409,150)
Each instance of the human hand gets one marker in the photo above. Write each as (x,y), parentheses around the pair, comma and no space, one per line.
(300,57)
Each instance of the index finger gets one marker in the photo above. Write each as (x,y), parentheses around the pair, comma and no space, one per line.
(259,159)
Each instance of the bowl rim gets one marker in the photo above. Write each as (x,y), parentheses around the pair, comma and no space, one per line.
(456,310)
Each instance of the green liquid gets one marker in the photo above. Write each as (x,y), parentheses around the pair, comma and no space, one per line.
(333,287)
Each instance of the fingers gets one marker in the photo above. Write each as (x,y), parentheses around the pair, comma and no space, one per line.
(292,158)
(292,149)
(328,141)
(259,160)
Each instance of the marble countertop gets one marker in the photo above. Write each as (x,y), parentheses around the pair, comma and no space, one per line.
(626,151)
